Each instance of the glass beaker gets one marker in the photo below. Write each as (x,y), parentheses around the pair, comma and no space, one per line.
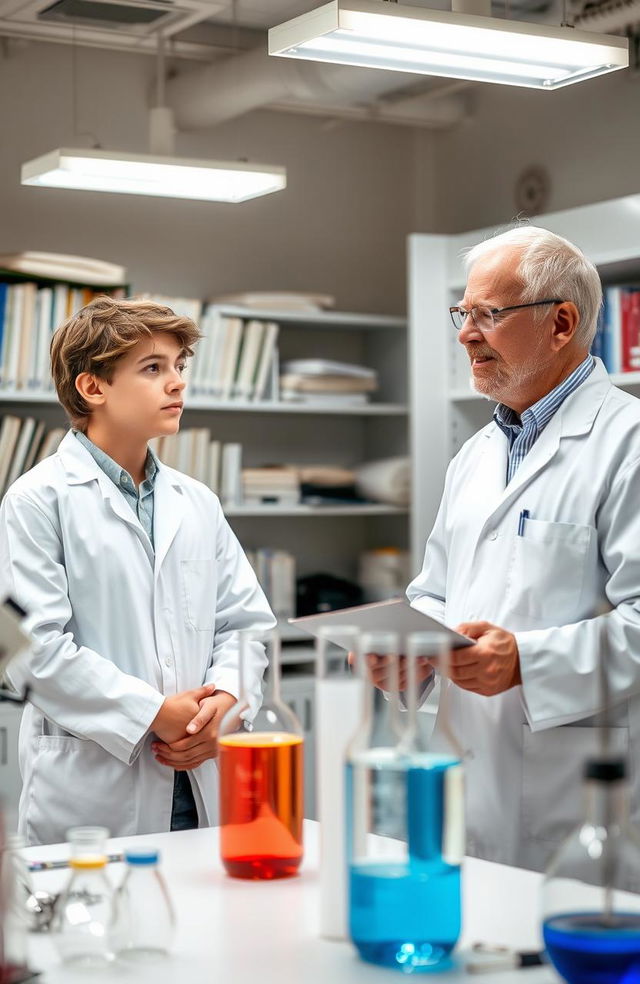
(83,913)
(591,909)
(143,917)
(261,778)
(405,819)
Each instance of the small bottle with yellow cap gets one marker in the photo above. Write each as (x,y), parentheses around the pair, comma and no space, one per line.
(84,910)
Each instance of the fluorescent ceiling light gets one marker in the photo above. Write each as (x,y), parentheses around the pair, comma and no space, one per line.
(151,174)
(456,45)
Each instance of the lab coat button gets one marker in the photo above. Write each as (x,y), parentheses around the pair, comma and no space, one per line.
(493,535)
(168,661)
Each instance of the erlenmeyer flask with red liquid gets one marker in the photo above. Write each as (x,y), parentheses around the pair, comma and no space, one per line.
(260,759)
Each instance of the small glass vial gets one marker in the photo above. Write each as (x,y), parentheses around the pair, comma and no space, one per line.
(143,917)
(84,910)
(15,888)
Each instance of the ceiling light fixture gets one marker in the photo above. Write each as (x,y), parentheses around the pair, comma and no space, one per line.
(153,174)
(466,43)
(157,173)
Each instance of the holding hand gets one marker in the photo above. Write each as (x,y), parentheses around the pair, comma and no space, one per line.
(201,742)
(491,666)
(170,723)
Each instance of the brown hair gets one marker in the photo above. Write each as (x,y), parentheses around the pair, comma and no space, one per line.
(101,333)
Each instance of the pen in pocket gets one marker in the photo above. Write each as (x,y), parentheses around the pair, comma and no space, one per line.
(524,516)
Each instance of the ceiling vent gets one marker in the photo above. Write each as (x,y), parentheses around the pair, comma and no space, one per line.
(94,18)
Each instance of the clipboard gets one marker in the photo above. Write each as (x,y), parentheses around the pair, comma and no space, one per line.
(396,615)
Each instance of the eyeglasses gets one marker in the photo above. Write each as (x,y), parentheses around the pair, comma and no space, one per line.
(484,317)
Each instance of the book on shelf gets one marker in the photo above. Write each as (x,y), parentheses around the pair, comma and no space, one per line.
(325,399)
(29,315)
(234,359)
(23,442)
(276,572)
(230,475)
(617,339)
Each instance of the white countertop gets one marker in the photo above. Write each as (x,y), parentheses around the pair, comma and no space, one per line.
(241,932)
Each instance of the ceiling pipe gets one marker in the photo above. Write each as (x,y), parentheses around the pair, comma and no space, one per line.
(234,86)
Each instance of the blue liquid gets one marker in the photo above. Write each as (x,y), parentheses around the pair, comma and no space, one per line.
(406,913)
(584,951)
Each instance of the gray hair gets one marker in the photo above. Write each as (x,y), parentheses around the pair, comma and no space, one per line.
(551,267)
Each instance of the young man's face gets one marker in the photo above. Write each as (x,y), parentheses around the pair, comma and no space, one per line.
(145,395)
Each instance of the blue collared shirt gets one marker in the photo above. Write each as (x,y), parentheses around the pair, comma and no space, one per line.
(523,432)
(140,500)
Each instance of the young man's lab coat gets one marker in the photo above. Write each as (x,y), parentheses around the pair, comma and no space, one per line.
(117,628)
(579,556)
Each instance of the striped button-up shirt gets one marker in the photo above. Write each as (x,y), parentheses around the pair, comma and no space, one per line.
(140,501)
(523,432)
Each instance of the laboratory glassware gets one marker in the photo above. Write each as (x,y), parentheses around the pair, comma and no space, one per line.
(84,911)
(261,778)
(405,810)
(15,888)
(338,692)
(143,917)
(591,914)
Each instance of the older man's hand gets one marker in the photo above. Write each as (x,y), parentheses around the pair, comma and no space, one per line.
(491,666)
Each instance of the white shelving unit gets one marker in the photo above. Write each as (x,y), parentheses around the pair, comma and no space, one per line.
(444,411)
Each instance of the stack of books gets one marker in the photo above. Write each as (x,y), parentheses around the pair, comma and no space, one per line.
(271,486)
(276,572)
(23,443)
(327,382)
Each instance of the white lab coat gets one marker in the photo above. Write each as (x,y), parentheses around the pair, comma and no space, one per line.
(579,557)
(117,628)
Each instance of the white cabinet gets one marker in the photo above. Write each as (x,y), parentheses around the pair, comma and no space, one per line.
(444,412)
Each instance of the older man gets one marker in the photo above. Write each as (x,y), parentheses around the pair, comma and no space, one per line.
(535,552)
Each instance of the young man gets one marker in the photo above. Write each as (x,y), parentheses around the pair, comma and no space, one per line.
(135,588)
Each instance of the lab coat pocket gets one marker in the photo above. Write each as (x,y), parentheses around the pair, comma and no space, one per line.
(77,783)
(546,575)
(552,784)
(199,593)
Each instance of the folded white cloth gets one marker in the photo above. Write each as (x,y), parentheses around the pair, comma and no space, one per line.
(386,480)
(82,269)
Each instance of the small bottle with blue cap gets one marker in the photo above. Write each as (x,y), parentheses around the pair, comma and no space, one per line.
(143,917)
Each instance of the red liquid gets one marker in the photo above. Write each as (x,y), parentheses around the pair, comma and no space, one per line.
(261,804)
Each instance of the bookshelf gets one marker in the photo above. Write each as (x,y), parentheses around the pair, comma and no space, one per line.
(444,411)
(306,433)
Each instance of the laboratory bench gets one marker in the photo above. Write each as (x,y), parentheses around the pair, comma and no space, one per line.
(243,932)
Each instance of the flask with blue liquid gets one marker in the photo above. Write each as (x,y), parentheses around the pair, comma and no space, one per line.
(591,914)
(405,815)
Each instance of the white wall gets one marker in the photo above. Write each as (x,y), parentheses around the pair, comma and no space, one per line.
(586,135)
(339,228)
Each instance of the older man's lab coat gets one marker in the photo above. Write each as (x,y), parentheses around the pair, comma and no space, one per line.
(578,557)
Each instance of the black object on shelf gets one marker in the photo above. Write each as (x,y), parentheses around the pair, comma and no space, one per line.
(325,593)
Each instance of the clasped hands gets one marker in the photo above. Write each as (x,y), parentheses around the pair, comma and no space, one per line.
(489,667)
(186,727)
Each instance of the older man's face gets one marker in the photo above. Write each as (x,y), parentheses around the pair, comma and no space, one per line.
(505,363)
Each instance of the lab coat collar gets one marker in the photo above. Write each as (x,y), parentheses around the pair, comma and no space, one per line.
(82,468)
(576,416)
